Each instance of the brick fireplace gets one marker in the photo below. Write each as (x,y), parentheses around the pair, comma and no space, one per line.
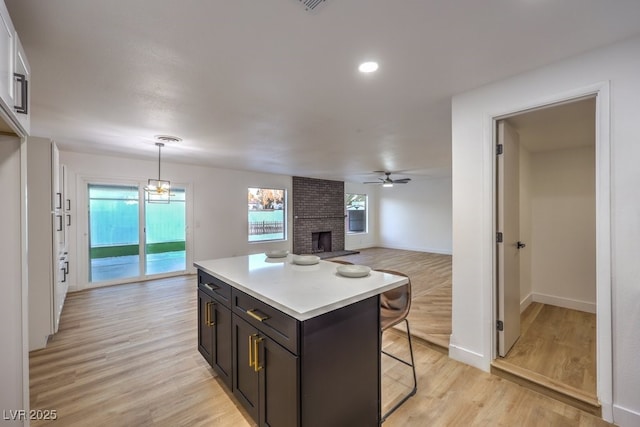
(318,215)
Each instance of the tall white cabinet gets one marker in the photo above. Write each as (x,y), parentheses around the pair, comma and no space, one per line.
(48,254)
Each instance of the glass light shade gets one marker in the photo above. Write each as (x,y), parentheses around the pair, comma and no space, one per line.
(158,191)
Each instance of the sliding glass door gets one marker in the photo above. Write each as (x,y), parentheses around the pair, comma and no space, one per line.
(166,234)
(129,239)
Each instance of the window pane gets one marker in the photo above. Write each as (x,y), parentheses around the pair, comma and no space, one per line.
(166,234)
(356,207)
(113,232)
(266,214)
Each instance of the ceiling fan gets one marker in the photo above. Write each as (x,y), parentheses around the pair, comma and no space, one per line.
(387,181)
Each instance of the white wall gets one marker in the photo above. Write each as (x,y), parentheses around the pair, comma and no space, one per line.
(417,216)
(353,241)
(217,215)
(563,242)
(12,355)
(613,73)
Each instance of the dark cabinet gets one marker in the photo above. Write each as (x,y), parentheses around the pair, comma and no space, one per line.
(265,376)
(323,371)
(214,331)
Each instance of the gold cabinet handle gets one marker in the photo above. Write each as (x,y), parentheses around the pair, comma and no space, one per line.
(251,361)
(208,317)
(256,357)
(258,317)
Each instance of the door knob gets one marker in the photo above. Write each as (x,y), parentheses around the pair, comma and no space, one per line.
(520,245)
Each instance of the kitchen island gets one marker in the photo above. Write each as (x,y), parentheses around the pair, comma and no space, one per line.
(298,345)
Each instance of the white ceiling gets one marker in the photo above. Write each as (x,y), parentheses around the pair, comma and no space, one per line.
(268,86)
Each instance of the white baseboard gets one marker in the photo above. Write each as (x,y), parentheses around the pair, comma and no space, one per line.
(624,417)
(526,302)
(585,306)
(419,249)
(467,356)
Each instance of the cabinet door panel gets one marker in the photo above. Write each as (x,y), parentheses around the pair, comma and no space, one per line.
(245,378)
(205,337)
(7,45)
(278,385)
(222,342)
(21,93)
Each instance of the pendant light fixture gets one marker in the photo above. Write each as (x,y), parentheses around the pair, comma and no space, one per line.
(159,190)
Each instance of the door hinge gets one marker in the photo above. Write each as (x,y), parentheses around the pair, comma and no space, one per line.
(500,325)
(499,149)
(499,237)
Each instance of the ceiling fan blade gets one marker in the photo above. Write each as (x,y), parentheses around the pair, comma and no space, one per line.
(372,182)
(401,181)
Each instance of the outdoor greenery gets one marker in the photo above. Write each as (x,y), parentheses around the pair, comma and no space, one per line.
(126,250)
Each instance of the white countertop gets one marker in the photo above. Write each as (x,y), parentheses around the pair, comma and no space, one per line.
(301,291)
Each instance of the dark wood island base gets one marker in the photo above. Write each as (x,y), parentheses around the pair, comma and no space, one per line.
(323,371)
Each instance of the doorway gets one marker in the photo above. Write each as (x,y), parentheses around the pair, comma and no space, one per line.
(546,262)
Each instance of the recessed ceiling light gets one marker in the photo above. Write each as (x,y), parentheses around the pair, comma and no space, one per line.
(368,67)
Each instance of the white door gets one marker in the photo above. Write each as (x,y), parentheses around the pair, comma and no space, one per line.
(509,226)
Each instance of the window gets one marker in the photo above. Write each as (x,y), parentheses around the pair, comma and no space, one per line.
(356,219)
(266,207)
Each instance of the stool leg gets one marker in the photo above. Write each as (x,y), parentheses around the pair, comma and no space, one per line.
(413,368)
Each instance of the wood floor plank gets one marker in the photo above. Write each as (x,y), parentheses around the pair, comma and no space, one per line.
(558,343)
(127,356)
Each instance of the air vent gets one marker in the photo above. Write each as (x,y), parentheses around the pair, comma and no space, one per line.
(311,5)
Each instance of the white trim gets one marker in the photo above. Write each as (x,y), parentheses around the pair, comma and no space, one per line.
(625,417)
(526,302)
(604,346)
(604,315)
(573,304)
(25,278)
(467,356)
(420,249)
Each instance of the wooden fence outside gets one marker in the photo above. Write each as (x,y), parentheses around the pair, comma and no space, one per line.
(265,227)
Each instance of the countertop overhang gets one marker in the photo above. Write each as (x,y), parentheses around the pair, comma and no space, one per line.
(301,291)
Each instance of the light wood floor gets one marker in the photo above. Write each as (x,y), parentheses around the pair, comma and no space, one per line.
(564,336)
(555,354)
(127,356)
(556,347)
(430,274)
